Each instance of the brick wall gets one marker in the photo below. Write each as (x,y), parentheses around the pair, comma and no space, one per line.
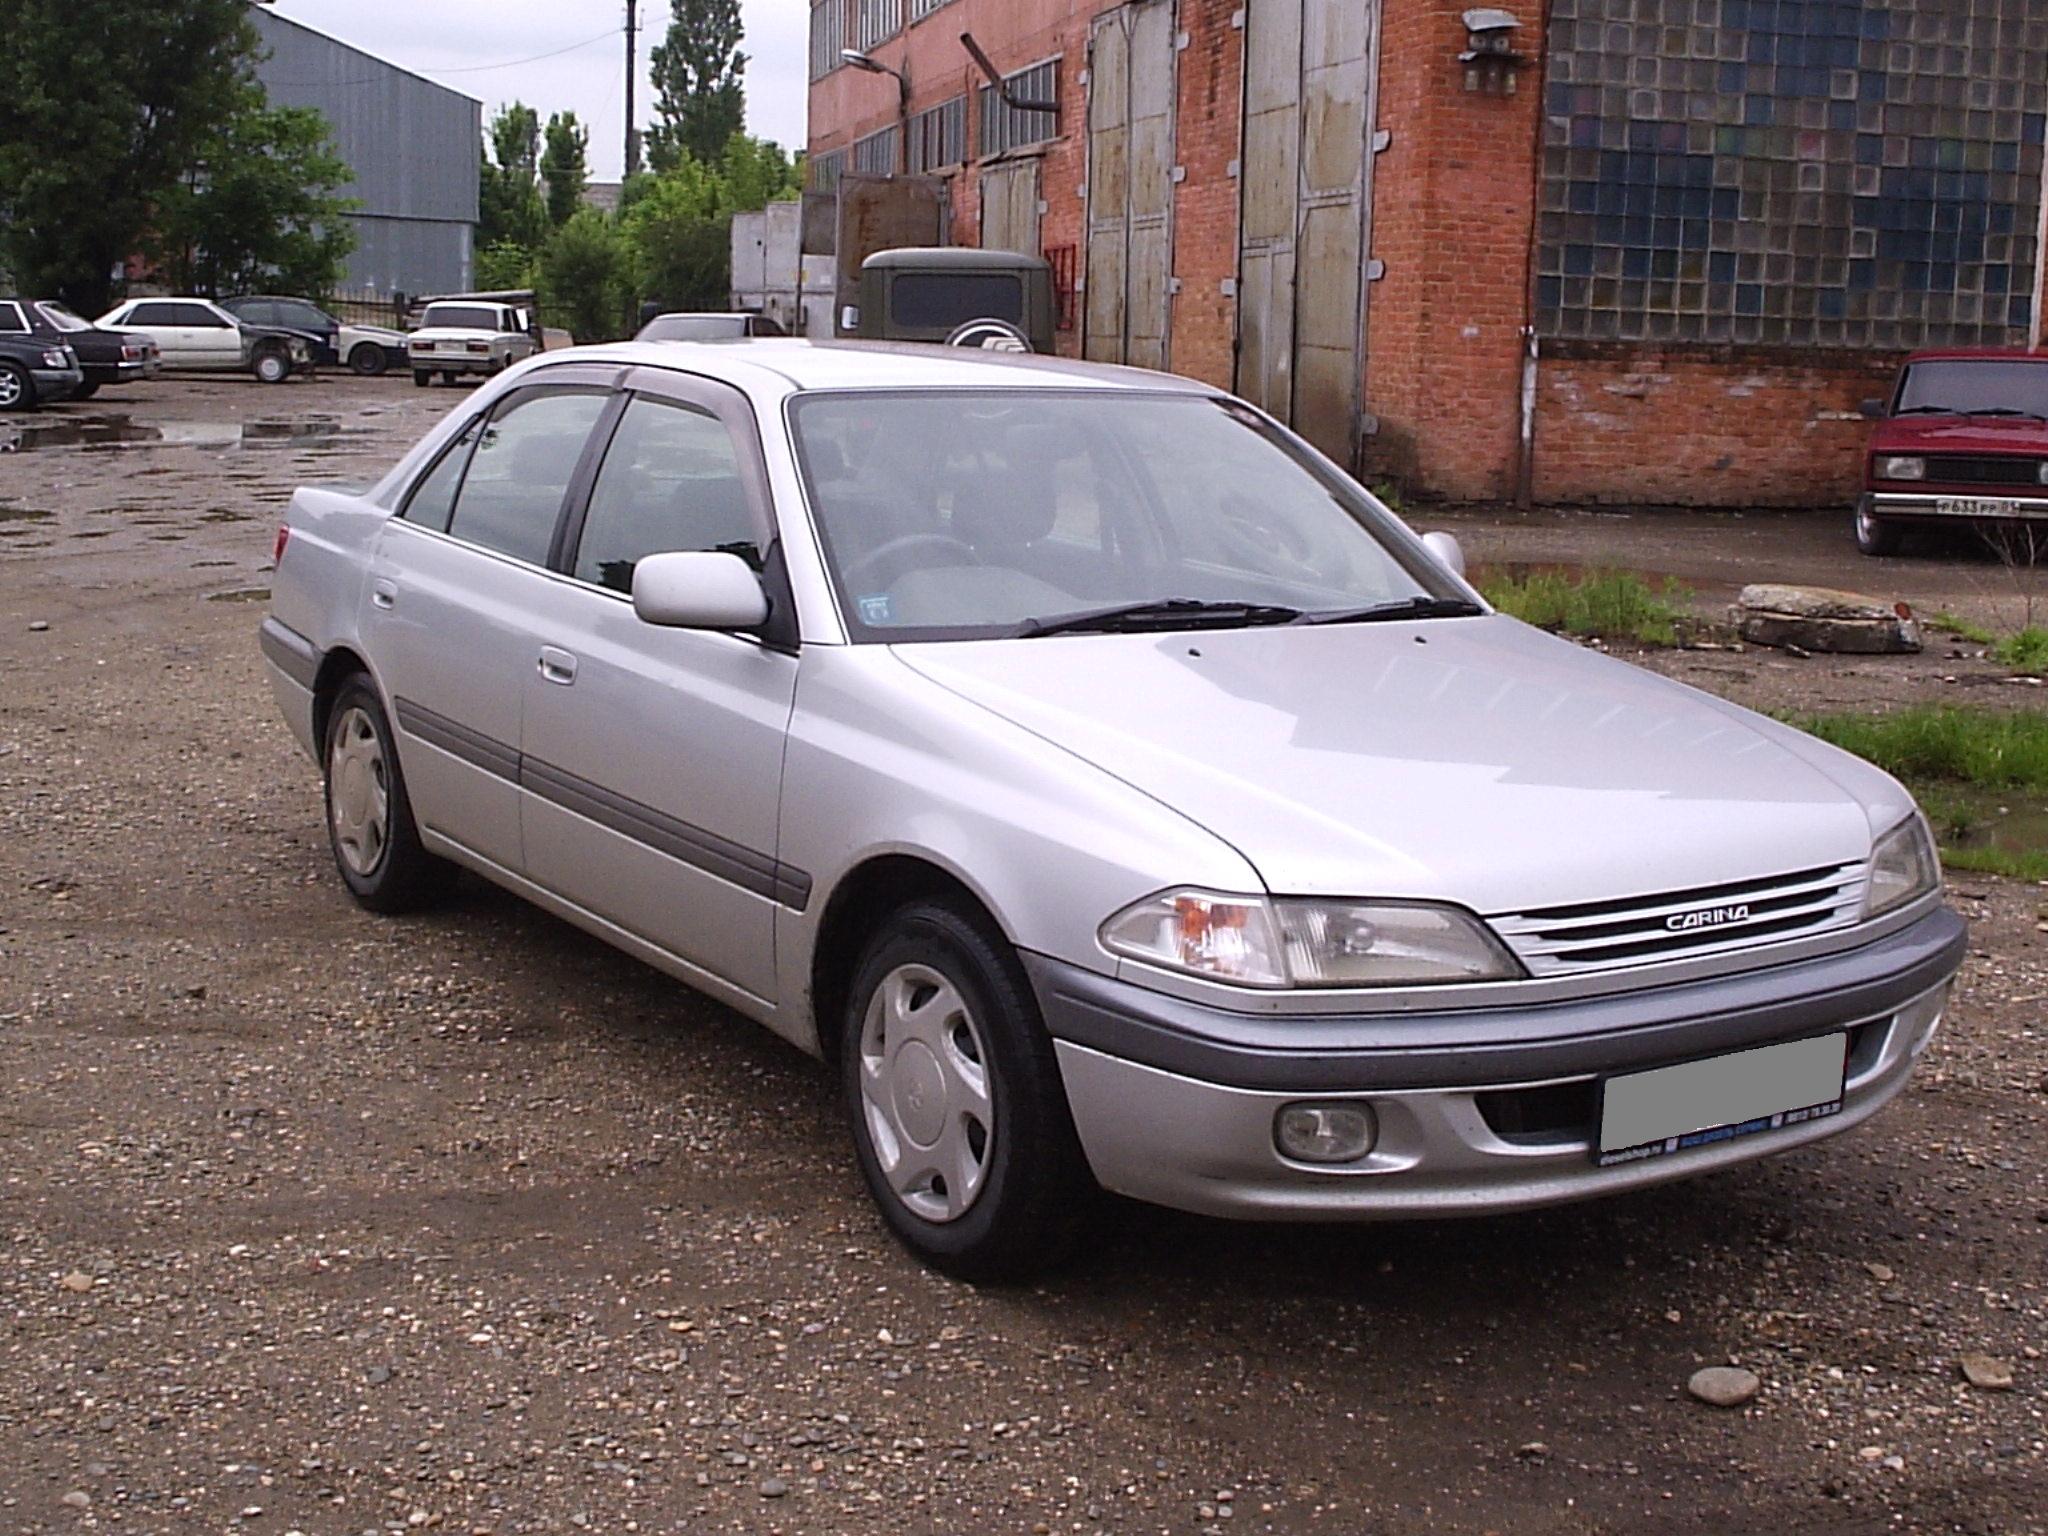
(1703,427)
(1204,317)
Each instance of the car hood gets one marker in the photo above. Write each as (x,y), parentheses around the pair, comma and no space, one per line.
(1470,760)
(1960,434)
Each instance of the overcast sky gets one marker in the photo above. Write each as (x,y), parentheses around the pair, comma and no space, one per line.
(472,45)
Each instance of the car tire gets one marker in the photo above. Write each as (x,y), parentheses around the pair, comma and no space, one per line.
(17,389)
(450,377)
(368,359)
(271,365)
(86,390)
(954,1098)
(370,827)
(422,378)
(1876,536)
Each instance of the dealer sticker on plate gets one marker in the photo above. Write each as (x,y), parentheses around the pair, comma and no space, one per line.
(1651,1114)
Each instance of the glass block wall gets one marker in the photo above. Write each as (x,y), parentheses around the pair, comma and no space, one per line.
(1854,173)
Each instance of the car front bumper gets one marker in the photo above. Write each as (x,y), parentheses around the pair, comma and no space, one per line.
(1948,506)
(1479,1110)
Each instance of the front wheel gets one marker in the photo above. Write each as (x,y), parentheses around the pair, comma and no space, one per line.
(369,815)
(1874,535)
(17,389)
(368,359)
(272,366)
(959,1117)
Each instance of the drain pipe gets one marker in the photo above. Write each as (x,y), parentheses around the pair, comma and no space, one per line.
(1525,471)
(1525,465)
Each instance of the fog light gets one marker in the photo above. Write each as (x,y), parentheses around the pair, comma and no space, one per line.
(1325,1133)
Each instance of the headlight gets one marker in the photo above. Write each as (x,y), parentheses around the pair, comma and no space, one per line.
(1903,867)
(1901,466)
(2042,473)
(1251,941)
(56,358)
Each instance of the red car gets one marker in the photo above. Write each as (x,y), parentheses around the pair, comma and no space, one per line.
(1965,436)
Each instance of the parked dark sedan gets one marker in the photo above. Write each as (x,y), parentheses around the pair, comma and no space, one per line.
(302,317)
(36,372)
(105,356)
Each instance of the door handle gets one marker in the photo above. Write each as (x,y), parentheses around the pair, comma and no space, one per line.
(384,594)
(557,665)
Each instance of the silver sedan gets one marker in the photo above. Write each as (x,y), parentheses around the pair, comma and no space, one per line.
(1109,788)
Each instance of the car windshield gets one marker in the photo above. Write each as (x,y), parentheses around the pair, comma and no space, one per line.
(974,514)
(468,317)
(1974,386)
(60,317)
(693,328)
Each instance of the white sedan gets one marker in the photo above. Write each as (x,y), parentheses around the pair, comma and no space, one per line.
(198,334)
(1116,793)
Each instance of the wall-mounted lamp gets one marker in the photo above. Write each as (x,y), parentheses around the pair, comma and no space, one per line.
(1489,58)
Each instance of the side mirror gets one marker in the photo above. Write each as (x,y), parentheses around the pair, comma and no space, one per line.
(1448,555)
(849,317)
(690,589)
(1871,410)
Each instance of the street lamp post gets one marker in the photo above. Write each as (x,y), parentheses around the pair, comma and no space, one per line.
(875,66)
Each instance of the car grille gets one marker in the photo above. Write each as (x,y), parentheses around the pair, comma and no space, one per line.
(1958,469)
(1641,930)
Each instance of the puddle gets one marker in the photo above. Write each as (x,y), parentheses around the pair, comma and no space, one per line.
(241,595)
(112,432)
(225,515)
(24,515)
(2004,820)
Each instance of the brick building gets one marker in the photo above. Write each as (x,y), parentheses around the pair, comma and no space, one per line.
(1658,254)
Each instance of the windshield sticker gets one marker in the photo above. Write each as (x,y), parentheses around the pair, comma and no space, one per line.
(875,609)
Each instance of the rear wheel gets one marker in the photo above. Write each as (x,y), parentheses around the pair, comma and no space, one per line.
(86,390)
(958,1114)
(421,377)
(450,376)
(368,359)
(1874,535)
(369,816)
(272,366)
(17,389)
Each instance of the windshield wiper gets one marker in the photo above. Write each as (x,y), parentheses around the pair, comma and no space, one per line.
(1957,410)
(1164,613)
(1406,608)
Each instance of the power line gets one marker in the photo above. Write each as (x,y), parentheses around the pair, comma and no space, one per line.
(465,69)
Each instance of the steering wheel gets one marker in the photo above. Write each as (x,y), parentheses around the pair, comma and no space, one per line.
(862,570)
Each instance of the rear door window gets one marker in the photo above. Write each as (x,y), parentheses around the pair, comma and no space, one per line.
(432,502)
(154,313)
(519,473)
(198,316)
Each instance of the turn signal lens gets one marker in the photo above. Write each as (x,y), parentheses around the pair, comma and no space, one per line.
(1228,937)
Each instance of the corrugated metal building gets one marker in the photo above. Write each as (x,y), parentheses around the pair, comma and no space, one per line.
(412,144)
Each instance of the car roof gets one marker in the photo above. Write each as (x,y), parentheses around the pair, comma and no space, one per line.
(800,364)
(951,258)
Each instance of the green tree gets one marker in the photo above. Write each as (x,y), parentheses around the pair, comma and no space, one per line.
(565,166)
(504,264)
(700,94)
(104,106)
(584,274)
(759,172)
(509,205)
(678,224)
(259,208)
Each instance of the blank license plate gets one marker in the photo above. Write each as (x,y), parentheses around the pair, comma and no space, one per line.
(1974,506)
(1651,1114)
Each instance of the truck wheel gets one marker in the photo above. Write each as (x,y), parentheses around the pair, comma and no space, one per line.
(958,1114)
(368,359)
(272,366)
(1874,535)
(421,377)
(369,816)
(17,389)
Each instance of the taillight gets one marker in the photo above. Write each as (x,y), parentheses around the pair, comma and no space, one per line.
(284,537)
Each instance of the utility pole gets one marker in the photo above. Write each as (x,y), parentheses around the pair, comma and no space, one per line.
(632,72)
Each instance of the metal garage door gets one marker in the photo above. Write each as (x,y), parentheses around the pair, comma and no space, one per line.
(1009,206)
(1131,96)
(1308,85)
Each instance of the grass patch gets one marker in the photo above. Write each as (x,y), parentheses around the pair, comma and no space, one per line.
(1955,624)
(1609,605)
(1946,745)
(2026,651)
(1959,763)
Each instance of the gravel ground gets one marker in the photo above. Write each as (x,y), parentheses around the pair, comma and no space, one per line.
(313,1221)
